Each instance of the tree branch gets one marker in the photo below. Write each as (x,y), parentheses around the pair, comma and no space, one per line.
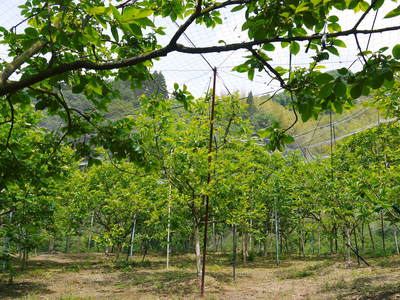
(359,49)
(13,86)
(19,60)
(269,67)
(364,15)
(12,121)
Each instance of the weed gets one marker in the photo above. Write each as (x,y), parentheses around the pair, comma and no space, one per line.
(299,274)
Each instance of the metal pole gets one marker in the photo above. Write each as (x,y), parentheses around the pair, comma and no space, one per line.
(207,198)
(276,235)
(132,236)
(234,252)
(169,224)
(7,245)
(90,234)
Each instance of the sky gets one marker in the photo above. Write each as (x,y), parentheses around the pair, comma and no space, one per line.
(195,72)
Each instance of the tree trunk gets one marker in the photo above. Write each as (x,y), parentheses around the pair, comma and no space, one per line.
(371,237)
(67,243)
(244,247)
(347,249)
(319,242)
(266,246)
(356,244)
(78,244)
(312,242)
(51,245)
(302,243)
(362,238)
(383,234)
(395,241)
(145,249)
(250,237)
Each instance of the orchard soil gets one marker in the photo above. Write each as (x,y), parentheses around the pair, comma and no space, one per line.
(96,276)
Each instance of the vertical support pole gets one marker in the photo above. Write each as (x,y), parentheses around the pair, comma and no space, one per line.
(395,240)
(169,225)
(371,236)
(383,233)
(90,234)
(213,234)
(132,236)
(276,235)
(207,198)
(7,245)
(234,247)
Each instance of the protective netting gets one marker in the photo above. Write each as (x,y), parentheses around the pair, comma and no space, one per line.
(195,70)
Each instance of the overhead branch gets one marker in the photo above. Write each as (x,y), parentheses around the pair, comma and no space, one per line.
(12,121)
(269,67)
(198,13)
(19,60)
(247,45)
(270,97)
(13,86)
(296,117)
(359,49)
(364,15)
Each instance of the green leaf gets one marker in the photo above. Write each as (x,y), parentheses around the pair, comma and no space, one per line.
(340,89)
(237,8)
(131,14)
(343,71)
(31,32)
(396,51)
(326,91)
(281,70)
(250,74)
(268,47)
(333,19)
(333,50)
(323,78)
(97,10)
(339,43)
(393,13)
(176,86)
(284,44)
(114,32)
(294,47)
(356,90)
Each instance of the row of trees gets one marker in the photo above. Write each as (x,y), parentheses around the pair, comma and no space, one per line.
(264,198)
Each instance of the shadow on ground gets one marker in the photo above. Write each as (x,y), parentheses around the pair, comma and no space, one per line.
(22,289)
(366,288)
(176,282)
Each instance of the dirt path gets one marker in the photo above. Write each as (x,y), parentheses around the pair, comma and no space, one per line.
(93,276)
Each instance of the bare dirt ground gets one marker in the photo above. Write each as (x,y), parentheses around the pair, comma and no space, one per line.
(94,276)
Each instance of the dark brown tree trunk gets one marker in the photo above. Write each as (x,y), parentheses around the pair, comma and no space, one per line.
(371,237)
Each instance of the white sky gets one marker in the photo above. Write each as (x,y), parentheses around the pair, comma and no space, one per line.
(193,71)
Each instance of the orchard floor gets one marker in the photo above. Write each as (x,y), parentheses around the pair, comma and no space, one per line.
(94,276)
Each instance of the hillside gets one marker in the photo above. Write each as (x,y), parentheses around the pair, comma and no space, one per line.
(313,137)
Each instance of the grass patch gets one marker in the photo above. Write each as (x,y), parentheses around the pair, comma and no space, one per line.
(299,274)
